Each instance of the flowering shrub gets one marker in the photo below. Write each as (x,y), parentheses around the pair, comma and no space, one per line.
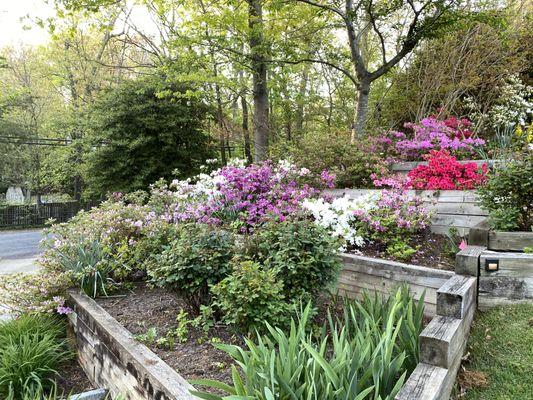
(429,134)
(244,197)
(388,218)
(514,106)
(41,292)
(113,228)
(338,216)
(444,172)
(392,222)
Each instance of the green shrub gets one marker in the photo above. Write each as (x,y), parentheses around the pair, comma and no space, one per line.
(352,163)
(200,256)
(145,252)
(302,254)
(31,349)
(250,296)
(364,356)
(508,195)
(114,227)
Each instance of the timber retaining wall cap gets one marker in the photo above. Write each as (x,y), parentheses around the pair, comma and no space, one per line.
(151,366)
(426,382)
(510,241)
(467,260)
(456,296)
(348,258)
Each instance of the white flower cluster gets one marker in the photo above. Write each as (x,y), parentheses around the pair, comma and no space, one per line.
(286,167)
(205,185)
(338,216)
(513,106)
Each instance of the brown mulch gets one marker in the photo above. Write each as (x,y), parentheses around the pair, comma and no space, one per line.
(433,252)
(71,379)
(197,358)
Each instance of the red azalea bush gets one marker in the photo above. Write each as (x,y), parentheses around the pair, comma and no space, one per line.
(444,172)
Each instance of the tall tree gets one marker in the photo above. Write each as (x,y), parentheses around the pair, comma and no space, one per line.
(396,26)
(260,79)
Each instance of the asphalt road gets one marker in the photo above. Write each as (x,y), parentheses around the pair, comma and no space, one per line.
(16,245)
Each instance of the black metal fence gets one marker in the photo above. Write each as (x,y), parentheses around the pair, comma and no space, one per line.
(19,216)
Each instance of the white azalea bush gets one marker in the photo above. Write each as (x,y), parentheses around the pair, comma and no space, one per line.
(339,216)
(390,219)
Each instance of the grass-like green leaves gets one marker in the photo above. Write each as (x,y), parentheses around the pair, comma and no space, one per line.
(32,347)
(365,353)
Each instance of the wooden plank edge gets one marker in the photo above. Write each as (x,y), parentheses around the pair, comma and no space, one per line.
(154,367)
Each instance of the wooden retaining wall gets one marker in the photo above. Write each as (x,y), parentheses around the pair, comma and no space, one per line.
(482,235)
(403,168)
(511,283)
(457,208)
(512,280)
(443,342)
(112,359)
(365,273)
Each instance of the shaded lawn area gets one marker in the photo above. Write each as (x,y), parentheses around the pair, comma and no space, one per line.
(500,360)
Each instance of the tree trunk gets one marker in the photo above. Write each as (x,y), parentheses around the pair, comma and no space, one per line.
(260,88)
(361,110)
(220,122)
(246,131)
(288,131)
(299,120)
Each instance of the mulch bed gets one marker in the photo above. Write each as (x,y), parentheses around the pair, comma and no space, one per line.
(146,307)
(433,252)
(197,358)
(71,379)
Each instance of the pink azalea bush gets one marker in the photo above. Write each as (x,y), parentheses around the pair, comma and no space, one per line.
(115,225)
(41,292)
(444,172)
(393,222)
(429,134)
(245,196)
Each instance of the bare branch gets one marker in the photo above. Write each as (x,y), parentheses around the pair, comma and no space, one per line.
(324,7)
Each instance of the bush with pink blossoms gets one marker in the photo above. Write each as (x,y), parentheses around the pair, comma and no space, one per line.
(105,248)
(41,292)
(429,134)
(444,172)
(243,197)
(393,221)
